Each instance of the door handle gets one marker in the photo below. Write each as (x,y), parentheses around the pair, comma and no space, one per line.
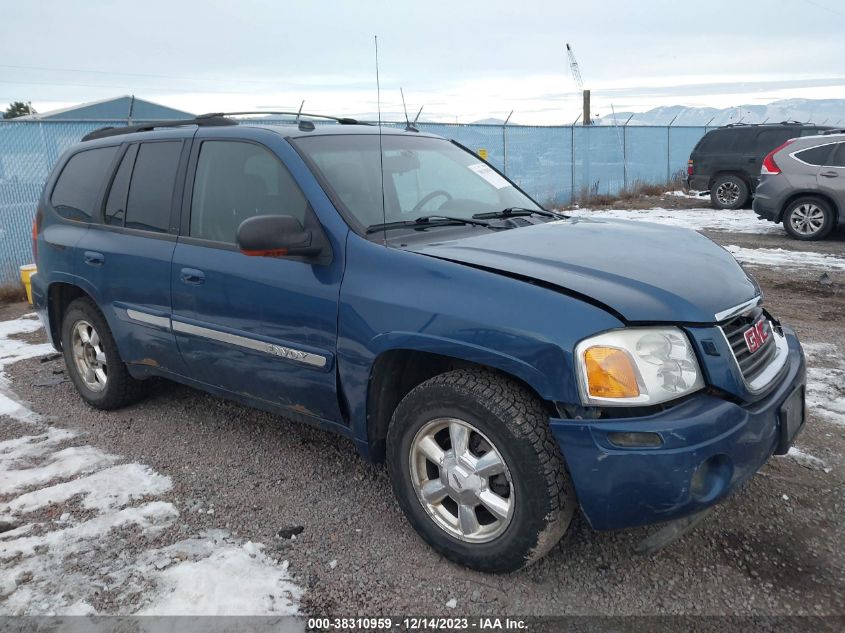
(94,259)
(192,276)
(829,174)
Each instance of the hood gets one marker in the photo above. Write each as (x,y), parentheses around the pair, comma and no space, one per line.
(642,271)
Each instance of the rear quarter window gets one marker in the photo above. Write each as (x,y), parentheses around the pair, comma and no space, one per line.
(767,140)
(714,142)
(815,155)
(78,188)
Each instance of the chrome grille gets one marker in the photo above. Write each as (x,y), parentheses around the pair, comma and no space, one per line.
(751,364)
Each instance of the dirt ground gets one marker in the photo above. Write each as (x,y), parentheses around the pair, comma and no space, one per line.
(775,547)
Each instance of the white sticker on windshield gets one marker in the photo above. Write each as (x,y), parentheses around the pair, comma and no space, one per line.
(489,175)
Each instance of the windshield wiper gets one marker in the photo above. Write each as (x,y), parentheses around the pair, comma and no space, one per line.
(510,212)
(425,220)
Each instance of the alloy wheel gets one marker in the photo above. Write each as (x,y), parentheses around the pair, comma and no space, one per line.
(727,193)
(462,480)
(89,356)
(807,219)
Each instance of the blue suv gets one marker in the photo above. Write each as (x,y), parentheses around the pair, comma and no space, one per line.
(508,363)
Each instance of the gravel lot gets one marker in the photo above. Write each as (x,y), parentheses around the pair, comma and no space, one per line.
(775,547)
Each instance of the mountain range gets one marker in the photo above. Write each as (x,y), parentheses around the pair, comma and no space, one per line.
(820,111)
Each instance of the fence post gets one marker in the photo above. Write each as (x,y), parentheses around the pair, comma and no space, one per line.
(572,164)
(669,148)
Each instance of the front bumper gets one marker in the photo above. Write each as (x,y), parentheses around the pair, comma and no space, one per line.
(725,442)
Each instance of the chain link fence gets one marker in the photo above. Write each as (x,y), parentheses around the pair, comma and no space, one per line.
(554,164)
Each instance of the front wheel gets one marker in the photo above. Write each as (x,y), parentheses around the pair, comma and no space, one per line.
(808,219)
(477,472)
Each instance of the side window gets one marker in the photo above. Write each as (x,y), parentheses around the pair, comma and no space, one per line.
(235,181)
(838,159)
(815,155)
(744,140)
(79,184)
(116,202)
(768,140)
(716,141)
(151,187)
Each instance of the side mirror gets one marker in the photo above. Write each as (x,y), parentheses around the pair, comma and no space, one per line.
(276,236)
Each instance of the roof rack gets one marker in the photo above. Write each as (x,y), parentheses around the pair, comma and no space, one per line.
(213,119)
(208,121)
(341,120)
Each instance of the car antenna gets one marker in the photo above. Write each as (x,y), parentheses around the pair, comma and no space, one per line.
(416,118)
(408,126)
(380,146)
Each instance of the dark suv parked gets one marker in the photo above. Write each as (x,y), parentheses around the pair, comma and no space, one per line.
(726,161)
(510,364)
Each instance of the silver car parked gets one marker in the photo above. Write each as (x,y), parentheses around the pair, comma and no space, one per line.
(802,184)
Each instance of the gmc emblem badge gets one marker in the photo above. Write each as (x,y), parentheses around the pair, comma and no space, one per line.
(756,335)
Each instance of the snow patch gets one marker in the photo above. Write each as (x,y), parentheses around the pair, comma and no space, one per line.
(825,381)
(113,487)
(228,580)
(11,351)
(784,257)
(808,461)
(739,221)
(92,558)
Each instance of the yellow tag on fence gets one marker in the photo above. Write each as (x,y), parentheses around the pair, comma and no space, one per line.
(482,153)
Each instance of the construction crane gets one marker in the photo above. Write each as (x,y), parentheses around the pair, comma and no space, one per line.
(573,66)
(576,75)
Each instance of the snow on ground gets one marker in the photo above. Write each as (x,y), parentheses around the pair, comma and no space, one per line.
(692,195)
(808,461)
(740,221)
(826,381)
(783,257)
(79,525)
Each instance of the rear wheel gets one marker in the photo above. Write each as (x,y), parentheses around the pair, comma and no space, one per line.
(808,219)
(477,472)
(92,359)
(729,192)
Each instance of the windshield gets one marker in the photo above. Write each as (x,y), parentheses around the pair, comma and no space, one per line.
(423,176)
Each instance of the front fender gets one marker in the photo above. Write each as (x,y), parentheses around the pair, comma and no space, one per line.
(480,355)
(392,299)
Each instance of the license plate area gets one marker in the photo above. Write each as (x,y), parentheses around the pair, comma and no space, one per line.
(792,415)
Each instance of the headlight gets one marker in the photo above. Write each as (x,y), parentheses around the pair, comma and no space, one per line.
(636,366)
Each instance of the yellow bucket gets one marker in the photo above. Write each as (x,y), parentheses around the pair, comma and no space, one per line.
(26,272)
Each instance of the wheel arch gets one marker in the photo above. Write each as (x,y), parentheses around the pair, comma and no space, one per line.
(810,194)
(60,295)
(733,172)
(396,371)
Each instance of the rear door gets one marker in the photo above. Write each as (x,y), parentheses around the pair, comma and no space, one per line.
(127,255)
(259,327)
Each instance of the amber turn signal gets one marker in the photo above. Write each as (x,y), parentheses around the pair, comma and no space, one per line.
(610,373)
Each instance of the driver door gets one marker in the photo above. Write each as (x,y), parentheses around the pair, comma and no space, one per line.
(260,327)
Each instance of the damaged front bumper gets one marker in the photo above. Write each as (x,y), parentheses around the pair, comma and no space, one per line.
(708,447)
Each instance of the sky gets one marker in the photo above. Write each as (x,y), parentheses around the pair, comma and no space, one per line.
(460,61)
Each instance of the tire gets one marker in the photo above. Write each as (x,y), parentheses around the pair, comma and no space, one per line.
(94,366)
(532,493)
(808,218)
(729,192)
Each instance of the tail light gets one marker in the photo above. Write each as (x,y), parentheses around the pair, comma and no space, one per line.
(36,228)
(689,167)
(770,167)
